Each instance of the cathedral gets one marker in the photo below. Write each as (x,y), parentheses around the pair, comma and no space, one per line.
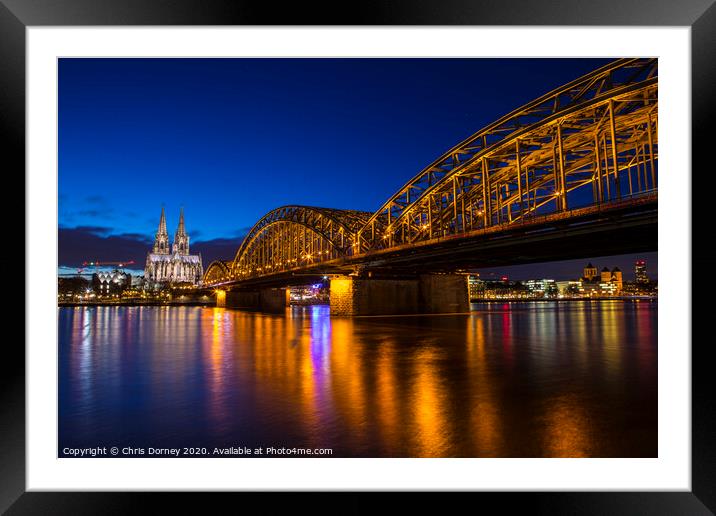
(177,266)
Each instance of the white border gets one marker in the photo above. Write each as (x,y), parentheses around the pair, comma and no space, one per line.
(670,471)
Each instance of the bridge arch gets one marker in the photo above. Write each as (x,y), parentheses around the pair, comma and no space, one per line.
(296,236)
(599,131)
(218,271)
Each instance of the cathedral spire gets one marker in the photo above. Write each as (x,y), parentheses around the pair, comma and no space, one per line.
(161,240)
(181,239)
(162,224)
(180,229)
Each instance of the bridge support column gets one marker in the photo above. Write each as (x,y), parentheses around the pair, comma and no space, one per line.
(246,299)
(265,300)
(274,299)
(430,293)
(444,293)
(368,296)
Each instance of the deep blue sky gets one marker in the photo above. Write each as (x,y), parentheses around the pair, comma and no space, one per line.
(230,139)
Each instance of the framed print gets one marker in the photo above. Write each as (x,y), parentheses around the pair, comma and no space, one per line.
(421,249)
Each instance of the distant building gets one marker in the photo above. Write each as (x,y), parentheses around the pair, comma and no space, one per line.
(590,272)
(607,283)
(177,266)
(110,283)
(642,285)
(542,288)
(640,271)
(475,286)
(612,277)
(608,289)
(617,278)
(73,286)
(589,288)
(568,288)
(496,289)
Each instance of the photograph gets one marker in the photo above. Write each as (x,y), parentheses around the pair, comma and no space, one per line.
(357,257)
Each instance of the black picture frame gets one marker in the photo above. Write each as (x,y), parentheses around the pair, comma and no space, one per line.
(700,15)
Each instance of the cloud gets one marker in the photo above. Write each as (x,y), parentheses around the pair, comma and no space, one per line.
(217,249)
(90,243)
(95,213)
(91,207)
(95,230)
(137,236)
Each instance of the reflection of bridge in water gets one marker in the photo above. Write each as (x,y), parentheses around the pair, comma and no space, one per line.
(569,175)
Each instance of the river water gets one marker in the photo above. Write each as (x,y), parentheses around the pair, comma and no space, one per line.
(529,379)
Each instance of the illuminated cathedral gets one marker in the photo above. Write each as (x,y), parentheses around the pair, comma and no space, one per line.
(176,266)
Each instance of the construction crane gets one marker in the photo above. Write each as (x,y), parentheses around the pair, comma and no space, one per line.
(102,264)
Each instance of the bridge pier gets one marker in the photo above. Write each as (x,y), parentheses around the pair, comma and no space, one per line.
(444,293)
(274,299)
(221,298)
(425,294)
(265,300)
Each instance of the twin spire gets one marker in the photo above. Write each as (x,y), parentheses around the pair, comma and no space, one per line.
(180,229)
(181,239)
(162,224)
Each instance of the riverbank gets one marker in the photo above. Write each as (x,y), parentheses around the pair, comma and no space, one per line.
(565,299)
(210,302)
(552,299)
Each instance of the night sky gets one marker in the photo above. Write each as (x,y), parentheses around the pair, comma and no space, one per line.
(231,139)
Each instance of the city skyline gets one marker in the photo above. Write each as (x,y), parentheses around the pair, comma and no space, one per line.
(559,270)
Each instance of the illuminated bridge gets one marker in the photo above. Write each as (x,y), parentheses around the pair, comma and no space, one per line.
(568,175)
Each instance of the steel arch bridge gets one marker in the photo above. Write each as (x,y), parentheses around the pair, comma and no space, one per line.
(590,143)
(292,237)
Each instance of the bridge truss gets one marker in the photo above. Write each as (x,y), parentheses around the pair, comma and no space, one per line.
(217,271)
(599,132)
(592,142)
(293,237)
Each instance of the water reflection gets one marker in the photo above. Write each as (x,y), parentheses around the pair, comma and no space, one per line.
(507,380)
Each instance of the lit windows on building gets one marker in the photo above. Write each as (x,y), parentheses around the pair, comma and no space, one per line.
(608,289)
(640,271)
(475,286)
(111,283)
(542,288)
